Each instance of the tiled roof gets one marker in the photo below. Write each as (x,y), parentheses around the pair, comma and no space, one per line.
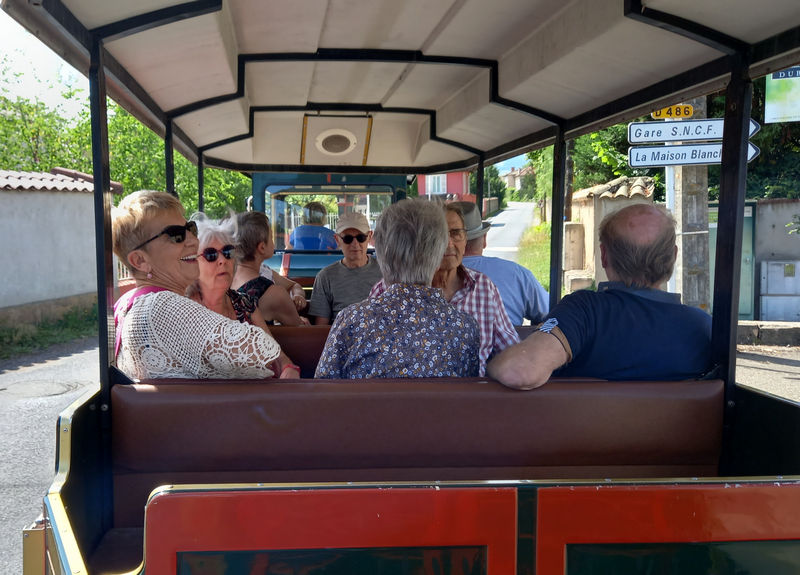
(56,180)
(518,172)
(623,187)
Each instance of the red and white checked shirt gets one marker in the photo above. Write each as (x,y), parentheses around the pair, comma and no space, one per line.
(479,298)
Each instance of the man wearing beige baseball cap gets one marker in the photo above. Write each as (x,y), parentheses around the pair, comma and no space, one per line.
(349,280)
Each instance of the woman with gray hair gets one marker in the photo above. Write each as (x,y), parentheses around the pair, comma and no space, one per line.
(409,330)
(161,333)
(217,263)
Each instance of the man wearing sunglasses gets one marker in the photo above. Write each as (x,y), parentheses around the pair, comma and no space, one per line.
(349,280)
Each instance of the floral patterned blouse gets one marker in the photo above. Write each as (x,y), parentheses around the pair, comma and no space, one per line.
(408,331)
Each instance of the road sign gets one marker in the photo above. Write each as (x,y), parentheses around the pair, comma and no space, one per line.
(670,112)
(680,130)
(681,155)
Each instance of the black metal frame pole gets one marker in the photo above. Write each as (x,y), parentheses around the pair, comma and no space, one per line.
(733,182)
(102,212)
(201,182)
(103,200)
(557,216)
(479,184)
(169,159)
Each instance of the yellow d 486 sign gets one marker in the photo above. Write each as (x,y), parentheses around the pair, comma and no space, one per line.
(676,111)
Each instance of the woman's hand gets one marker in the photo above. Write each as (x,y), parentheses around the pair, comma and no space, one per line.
(290,371)
(299,301)
(298,297)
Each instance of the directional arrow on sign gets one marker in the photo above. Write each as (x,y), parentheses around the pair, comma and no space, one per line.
(681,130)
(681,155)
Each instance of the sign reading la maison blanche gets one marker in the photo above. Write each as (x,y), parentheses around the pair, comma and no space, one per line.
(681,155)
(680,130)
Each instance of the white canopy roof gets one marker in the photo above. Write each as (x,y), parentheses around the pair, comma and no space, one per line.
(405,85)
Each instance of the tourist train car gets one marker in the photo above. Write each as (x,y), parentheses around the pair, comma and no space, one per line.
(282,197)
(432,476)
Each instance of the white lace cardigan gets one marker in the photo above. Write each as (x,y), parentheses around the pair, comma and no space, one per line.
(168,335)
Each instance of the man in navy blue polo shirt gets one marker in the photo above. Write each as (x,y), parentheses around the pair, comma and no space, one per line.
(629,328)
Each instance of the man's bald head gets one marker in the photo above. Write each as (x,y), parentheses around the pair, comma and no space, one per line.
(638,245)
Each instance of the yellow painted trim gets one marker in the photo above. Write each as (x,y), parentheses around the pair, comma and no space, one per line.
(303,141)
(33,549)
(66,552)
(63,550)
(367,140)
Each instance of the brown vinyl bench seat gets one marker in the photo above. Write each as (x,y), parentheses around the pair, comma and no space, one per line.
(183,431)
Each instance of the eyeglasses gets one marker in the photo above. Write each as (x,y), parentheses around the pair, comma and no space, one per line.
(458,234)
(211,254)
(175,233)
(348,239)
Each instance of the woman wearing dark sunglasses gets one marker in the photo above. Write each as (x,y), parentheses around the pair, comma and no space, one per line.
(217,261)
(160,332)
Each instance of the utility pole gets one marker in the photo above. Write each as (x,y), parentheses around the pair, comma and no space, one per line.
(692,278)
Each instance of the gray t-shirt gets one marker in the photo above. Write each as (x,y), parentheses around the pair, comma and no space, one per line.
(337,286)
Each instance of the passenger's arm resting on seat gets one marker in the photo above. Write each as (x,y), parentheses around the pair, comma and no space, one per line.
(530,363)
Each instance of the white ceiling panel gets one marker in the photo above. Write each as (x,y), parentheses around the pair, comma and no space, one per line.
(749,21)
(627,58)
(278,25)
(384,24)
(181,63)
(365,82)
(481,128)
(279,138)
(278,83)
(394,139)
(94,14)
(217,122)
(481,29)
(237,152)
(575,59)
(430,85)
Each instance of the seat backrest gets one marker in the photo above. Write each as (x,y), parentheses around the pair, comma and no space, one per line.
(302,344)
(392,430)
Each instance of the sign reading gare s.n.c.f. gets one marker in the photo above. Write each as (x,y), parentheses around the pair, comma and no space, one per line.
(680,131)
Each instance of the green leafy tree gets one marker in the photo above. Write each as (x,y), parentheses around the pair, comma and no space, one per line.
(136,160)
(493,184)
(794,225)
(775,173)
(527,188)
(602,156)
(541,161)
(34,137)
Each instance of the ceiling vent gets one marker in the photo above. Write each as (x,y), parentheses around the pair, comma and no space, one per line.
(336,140)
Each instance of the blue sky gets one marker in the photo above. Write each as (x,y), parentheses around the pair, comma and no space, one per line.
(517,162)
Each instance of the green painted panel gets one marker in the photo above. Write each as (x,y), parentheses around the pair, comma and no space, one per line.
(726,558)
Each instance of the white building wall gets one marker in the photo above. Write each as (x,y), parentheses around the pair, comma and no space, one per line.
(773,240)
(48,246)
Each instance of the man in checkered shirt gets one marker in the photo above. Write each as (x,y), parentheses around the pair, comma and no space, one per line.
(470,291)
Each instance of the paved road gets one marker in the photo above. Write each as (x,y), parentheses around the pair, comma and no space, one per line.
(32,393)
(507,229)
